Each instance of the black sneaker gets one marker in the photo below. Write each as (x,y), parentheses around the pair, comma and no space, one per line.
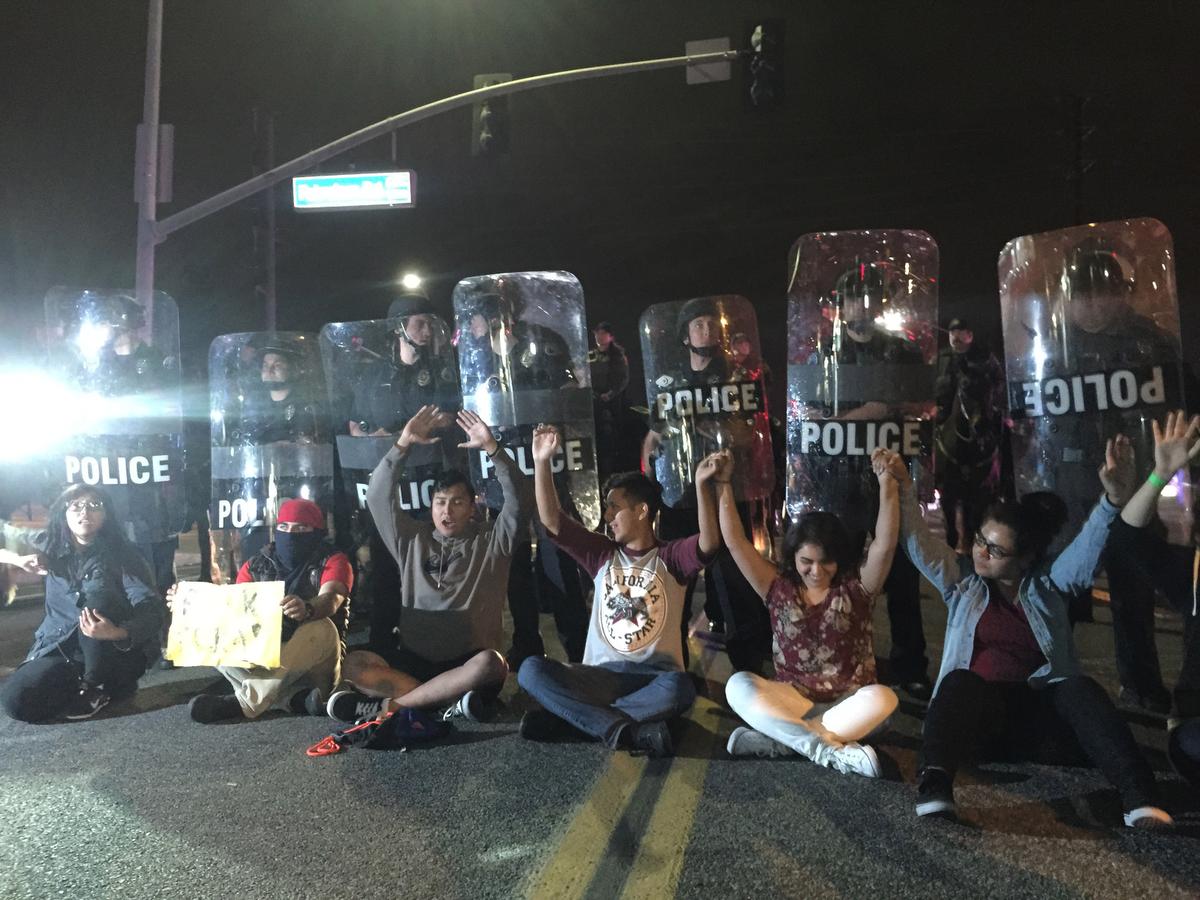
(1158,704)
(935,795)
(919,689)
(472,707)
(90,700)
(543,725)
(307,702)
(652,739)
(351,706)
(209,708)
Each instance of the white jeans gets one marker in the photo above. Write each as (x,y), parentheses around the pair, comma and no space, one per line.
(312,656)
(781,712)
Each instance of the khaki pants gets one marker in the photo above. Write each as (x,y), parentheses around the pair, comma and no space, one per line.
(312,657)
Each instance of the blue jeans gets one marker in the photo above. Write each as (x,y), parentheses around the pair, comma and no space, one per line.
(600,701)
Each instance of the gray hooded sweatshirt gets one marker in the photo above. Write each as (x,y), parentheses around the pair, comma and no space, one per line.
(452,590)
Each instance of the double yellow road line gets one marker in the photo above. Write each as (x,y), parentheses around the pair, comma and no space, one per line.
(660,847)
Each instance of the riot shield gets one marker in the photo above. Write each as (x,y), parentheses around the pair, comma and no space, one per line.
(380,373)
(118,362)
(704,396)
(522,354)
(862,347)
(271,439)
(1091,342)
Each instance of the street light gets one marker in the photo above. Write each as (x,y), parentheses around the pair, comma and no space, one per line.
(411,281)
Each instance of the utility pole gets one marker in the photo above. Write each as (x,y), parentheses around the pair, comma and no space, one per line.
(147,237)
(264,161)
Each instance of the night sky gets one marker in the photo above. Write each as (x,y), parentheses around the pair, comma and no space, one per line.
(956,118)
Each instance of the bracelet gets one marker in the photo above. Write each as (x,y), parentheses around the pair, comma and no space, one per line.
(1157,480)
(499,447)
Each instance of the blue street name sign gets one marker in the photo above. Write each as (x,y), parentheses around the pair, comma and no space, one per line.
(357,190)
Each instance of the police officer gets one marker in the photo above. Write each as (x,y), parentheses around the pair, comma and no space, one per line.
(276,408)
(504,354)
(419,372)
(610,377)
(108,354)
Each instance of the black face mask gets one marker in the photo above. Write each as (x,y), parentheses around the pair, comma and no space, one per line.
(293,548)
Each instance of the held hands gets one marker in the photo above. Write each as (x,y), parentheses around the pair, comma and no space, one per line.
(294,608)
(1176,443)
(1118,473)
(97,627)
(546,441)
(419,429)
(889,463)
(717,467)
(479,435)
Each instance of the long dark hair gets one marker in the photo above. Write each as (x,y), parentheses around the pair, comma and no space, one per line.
(110,538)
(1035,519)
(827,530)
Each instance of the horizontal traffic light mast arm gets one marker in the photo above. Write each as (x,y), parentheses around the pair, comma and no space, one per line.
(217,202)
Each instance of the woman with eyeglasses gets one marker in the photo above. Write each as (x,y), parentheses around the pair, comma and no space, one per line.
(1010,685)
(103,615)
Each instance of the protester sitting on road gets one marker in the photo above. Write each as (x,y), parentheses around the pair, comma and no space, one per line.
(1149,559)
(823,699)
(631,681)
(103,615)
(1010,684)
(453,581)
(317,579)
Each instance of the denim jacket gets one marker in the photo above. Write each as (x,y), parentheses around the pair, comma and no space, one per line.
(1042,593)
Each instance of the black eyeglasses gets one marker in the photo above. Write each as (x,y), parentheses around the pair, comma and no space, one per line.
(994,551)
(79,506)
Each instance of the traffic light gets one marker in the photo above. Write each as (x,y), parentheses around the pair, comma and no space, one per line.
(764,64)
(489,133)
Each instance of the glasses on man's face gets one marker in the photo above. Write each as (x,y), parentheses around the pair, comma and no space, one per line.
(79,506)
(994,551)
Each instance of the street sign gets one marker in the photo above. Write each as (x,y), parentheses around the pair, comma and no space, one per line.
(356,190)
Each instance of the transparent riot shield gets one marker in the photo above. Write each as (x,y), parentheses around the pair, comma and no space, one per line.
(704,387)
(271,439)
(862,347)
(380,373)
(1091,342)
(117,363)
(522,354)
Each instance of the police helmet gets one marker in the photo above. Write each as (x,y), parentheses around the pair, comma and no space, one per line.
(1094,266)
(694,309)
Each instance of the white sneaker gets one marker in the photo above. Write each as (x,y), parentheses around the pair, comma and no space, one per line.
(1148,817)
(748,742)
(855,759)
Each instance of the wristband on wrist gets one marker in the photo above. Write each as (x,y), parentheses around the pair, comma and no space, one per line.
(1157,480)
(494,452)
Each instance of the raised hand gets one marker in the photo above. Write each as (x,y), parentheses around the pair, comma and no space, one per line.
(1176,443)
(34,564)
(715,467)
(546,441)
(479,434)
(419,429)
(1118,473)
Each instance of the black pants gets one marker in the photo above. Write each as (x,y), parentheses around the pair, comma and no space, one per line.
(1131,602)
(903,589)
(41,689)
(1070,722)
(553,583)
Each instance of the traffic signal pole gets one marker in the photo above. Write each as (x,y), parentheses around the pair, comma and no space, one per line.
(152,232)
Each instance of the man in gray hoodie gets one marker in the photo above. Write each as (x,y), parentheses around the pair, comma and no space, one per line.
(453,584)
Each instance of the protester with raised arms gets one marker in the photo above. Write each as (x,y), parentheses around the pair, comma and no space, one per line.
(453,580)
(1010,685)
(631,681)
(823,699)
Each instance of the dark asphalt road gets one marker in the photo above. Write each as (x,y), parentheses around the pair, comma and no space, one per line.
(145,803)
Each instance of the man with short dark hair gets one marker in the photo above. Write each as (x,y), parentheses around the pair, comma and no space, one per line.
(632,679)
(453,581)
